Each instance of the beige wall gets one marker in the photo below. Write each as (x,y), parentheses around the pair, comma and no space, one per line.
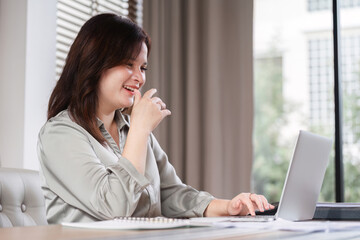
(27,63)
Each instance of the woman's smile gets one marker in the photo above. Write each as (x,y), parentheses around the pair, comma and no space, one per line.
(131,89)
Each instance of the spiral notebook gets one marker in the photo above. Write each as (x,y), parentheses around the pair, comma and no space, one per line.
(129,223)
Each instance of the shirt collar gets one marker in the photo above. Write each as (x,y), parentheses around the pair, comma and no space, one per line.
(120,118)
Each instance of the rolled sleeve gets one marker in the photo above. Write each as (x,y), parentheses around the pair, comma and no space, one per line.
(177,199)
(125,169)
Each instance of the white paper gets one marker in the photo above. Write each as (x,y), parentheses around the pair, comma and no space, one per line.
(128,225)
(133,223)
(304,226)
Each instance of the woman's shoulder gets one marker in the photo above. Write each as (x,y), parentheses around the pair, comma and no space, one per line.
(61,117)
(62,121)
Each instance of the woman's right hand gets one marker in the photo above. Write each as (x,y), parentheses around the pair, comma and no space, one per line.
(148,111)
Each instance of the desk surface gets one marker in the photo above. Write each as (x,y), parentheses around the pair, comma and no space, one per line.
(55,232)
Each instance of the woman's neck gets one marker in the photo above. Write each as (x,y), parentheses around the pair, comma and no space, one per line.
(106,118)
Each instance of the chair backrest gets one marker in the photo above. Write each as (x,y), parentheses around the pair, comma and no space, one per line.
(21,199)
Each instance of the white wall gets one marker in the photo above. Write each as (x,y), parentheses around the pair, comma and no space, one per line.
(40,72)
(12,79)
(27,75)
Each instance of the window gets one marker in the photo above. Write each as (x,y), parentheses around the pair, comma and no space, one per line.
(350,79)
(321,87)
(72,14)
(294,89)
(319,5)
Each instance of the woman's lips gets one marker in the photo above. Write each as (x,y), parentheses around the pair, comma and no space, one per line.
(131,89)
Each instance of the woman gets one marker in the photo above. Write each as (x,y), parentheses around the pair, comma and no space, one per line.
(95,164)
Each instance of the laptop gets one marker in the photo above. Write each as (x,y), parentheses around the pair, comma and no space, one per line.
(303,180)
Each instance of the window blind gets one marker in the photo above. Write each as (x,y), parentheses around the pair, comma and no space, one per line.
(72,14)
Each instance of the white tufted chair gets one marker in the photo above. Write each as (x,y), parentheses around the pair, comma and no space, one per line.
(21,199)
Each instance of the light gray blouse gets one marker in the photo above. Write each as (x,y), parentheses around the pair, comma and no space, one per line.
(83,180)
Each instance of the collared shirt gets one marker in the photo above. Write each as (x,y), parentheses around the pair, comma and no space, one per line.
(84,181)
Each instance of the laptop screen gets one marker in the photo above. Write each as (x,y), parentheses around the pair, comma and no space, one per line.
(304,177)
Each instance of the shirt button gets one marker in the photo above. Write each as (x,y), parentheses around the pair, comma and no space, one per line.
(23,207)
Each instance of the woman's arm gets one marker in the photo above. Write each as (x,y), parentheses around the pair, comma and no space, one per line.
(147,113)
(242,204)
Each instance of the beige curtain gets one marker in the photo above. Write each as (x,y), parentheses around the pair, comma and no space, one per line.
(201,63)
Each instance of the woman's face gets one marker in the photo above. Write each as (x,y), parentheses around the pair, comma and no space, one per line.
(117,84)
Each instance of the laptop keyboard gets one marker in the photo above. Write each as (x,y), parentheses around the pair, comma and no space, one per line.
(257,218)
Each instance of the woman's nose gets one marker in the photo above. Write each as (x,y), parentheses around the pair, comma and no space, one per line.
(139,76)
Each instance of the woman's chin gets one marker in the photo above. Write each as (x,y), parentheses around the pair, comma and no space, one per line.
(127,104)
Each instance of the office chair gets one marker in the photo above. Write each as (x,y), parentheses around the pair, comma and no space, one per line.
(21,199)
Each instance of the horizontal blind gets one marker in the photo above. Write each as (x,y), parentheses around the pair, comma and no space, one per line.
(136,11)
(72,14)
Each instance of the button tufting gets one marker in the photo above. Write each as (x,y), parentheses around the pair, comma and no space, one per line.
(23,207)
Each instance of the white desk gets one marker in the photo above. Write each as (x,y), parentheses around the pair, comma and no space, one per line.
(57,232)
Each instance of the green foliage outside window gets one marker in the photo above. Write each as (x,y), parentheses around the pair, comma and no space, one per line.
(272,153)
(270,158)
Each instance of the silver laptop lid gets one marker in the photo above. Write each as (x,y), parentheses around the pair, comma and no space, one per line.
(304,177)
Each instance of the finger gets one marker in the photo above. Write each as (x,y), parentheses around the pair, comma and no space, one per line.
(150,93)
(137,96)
(235,204)
(265,202)
(255,198)
(238,204)
(155,99)
(249,206)
(237,207)
(158,101)
(165,113)
(163,105)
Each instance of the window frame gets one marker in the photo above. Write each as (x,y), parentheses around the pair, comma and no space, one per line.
(339,165)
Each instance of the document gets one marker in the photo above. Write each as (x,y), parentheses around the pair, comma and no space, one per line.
(130,223)
(281,224)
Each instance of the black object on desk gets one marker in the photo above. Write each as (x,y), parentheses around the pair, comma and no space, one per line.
(337,211)
(328,211)
(269,212)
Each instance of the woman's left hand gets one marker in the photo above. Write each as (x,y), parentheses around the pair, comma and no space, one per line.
(248,203)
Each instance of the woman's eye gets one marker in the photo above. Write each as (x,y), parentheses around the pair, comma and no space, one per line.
(129,64)
(144,68)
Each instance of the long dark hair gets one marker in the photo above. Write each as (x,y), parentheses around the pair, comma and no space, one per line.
(104,41)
